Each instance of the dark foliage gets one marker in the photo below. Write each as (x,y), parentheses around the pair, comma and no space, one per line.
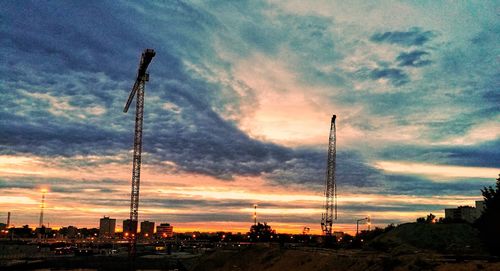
(261,232)
(489,222)
(429,219)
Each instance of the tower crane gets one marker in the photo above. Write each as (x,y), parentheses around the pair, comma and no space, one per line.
(330,184)
(42,207)
(137,90)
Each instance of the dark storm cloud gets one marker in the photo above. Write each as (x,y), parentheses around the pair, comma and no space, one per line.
(57,185)
(398,184)
(397,77)
(66,43)
(56,138)
(413,37)
(6,183)
(309,168)
(413,59)
(486,154)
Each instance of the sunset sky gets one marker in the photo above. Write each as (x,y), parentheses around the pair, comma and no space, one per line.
(238,109)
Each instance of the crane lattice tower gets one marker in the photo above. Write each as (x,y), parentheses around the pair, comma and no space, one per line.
(330,184)
(137,90)
(42,207)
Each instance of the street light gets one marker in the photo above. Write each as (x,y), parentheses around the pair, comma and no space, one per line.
(357,223)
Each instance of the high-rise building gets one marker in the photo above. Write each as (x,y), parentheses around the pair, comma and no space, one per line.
(147,228)
(107,227)
(129,227)
(165,230)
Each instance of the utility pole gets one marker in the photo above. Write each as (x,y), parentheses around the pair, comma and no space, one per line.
(138,88)
(8,220)
(330,184)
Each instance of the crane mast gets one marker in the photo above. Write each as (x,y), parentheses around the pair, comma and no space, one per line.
(42,207)
(330,184)
(137,90)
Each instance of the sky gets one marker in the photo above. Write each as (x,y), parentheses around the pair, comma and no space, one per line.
(238,109)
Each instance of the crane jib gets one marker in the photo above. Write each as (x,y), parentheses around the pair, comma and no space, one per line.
(146,58)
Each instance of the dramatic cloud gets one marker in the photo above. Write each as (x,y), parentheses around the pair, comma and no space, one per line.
(238,108)
(395,76)
(413,59)
(413,37)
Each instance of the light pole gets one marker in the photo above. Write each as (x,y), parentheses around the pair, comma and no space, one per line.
(357,224)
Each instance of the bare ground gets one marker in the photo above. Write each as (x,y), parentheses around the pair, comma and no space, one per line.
(276,259)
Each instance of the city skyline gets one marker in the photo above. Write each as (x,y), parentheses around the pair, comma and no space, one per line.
(238,110)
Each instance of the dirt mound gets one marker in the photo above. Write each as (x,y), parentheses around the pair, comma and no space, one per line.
(442,238)
(275,259)
(308,259)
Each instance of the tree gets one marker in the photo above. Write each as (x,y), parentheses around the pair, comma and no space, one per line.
(430,218)
(261,232)
(489,222)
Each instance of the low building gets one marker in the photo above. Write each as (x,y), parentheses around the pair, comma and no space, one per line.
(165,230)
(107,227)
(147,228)
(465,213)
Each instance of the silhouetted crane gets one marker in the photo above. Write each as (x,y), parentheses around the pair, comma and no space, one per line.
(330,184)
(137,90)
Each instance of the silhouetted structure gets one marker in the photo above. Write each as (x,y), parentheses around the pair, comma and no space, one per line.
(255,214)
(366,219)
(139,85)
(42,207)
(165,230)
(69,232)
(464,213)
(147,228)
(129,227)
(261,232)
(23,232)
(330,184)
(107,227)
